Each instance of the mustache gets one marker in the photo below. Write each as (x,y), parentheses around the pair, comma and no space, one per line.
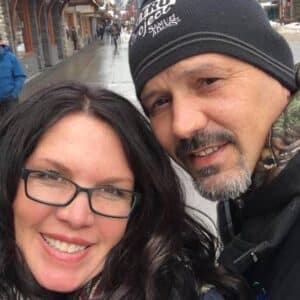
(202,139)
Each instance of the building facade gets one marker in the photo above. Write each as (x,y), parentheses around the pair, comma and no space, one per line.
(38,30)
(290,10)
(284,10)
(296,10)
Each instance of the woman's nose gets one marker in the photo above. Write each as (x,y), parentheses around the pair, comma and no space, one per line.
(78,213)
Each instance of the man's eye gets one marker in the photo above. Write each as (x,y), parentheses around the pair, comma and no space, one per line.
(209,81)
(157,105)
(205,82)
(160,102)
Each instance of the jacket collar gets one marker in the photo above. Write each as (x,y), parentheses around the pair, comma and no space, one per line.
(273,196)
(264,221)
(282,144)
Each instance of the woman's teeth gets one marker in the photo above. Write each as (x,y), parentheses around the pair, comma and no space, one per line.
(63,246)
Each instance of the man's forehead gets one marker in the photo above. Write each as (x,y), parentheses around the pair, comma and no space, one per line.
(203,64)
(210,60)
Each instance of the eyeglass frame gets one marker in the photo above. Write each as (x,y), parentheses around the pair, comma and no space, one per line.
(25,172)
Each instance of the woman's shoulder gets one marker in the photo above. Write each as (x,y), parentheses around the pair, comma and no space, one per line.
(186,286)
(212,294)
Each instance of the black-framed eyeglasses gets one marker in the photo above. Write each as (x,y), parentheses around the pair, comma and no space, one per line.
(53,189)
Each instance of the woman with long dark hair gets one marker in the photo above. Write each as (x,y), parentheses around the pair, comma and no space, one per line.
(90,207)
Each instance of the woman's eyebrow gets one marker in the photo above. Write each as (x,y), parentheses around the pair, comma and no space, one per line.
(46,162)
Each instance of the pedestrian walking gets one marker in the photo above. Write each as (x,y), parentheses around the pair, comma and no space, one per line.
(12,78)
(115,34)
(83,224)
(100,31)
(219,87)
(74,38)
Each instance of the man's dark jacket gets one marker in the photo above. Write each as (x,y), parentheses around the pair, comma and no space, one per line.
(261,234)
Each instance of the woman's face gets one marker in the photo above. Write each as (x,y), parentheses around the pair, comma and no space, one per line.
(65,247)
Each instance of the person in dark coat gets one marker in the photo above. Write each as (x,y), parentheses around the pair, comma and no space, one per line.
(12,78)
(219,87)
(74,38)
(115,33)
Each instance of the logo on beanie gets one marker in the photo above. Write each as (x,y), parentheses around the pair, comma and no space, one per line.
(154,18)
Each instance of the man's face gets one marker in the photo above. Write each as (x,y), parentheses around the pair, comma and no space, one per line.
(212,113)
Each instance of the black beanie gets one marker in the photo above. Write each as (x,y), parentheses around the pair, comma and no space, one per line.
(168,31)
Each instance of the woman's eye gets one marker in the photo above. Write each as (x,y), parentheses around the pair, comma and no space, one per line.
(109,192)
(48,176)
(114,191)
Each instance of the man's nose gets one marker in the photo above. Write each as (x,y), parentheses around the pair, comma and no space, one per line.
(188,116)
(78,213)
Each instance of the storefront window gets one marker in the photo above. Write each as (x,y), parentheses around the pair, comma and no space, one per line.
(20,45)
(23,39)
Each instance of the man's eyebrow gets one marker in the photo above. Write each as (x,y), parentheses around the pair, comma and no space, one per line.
(147,95)
(206,69)
(203,69)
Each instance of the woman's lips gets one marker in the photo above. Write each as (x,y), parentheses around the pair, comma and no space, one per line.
(64,249)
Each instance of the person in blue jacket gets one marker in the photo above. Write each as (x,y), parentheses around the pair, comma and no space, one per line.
(12,78)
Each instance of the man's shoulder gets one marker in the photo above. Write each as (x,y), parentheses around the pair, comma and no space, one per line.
(279,271)
(275,262)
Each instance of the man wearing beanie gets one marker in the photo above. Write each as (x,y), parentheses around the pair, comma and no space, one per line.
(219,87)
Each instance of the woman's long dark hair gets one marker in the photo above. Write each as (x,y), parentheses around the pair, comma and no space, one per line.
(164,253)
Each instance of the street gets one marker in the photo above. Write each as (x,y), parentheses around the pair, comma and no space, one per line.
(99,64)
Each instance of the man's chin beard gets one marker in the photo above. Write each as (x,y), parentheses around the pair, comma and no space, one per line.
(227,186)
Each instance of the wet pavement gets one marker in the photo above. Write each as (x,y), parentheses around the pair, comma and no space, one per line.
(100,64)
(97,64)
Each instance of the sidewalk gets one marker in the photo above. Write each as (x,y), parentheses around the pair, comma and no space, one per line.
(99,64)
(96,64)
